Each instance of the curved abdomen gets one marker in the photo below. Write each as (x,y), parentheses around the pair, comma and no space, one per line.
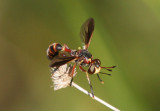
(53,50)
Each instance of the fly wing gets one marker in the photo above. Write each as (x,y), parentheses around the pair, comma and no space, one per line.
(59,60)
(86,32)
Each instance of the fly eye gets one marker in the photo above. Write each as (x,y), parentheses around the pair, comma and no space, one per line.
(97,65)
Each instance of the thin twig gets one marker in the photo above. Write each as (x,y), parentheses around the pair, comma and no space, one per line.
(95,97)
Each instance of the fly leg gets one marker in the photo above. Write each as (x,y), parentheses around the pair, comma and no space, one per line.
(100,79)
(90,85)
(72,73)
(88,81)
(109,68)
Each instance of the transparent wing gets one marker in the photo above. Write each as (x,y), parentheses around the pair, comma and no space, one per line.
(86,32)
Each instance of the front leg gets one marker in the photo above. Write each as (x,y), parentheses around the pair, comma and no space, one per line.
(109,68)
(88,80)
(100,79)
(90,85)
(72,73)
(80,67)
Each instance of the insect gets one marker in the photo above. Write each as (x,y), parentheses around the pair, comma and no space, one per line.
(60,55)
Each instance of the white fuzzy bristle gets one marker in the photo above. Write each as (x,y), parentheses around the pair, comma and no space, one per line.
(60,77)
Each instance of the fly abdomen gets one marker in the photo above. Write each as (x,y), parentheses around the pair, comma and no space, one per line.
(53,50)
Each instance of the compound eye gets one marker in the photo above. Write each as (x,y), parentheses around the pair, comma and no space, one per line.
(97,65)
(99,62)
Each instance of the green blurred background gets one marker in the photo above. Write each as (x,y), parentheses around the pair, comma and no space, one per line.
(127,34)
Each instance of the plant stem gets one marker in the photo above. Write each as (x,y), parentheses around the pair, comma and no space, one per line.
(95,97)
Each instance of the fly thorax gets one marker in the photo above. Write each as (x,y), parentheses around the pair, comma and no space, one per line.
(85,54)
(73,53)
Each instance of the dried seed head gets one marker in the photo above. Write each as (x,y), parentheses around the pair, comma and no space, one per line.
(61,76)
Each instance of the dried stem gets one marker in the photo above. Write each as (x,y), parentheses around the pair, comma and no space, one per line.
(95,97)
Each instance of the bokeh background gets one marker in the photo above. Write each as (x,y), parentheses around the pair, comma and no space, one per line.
(127,34)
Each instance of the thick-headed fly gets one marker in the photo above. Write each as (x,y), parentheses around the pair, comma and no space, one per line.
(60,55)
